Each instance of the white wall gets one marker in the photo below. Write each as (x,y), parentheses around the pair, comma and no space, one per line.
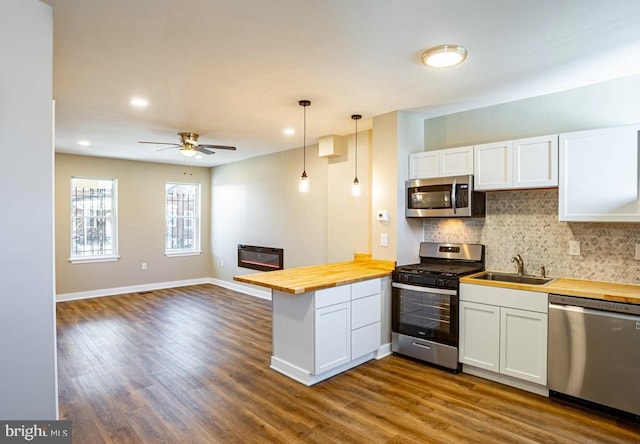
(141,227)
(395,135)
(256,202)
(28,378)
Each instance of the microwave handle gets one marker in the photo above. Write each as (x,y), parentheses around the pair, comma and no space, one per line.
(453,196)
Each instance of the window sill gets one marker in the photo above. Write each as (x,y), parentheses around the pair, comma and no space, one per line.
(182,253)
(91,259)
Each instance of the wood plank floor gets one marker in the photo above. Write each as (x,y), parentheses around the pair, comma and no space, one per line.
(191,365)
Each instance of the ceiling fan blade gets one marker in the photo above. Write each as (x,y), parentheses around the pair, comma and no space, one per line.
(162,143)
(169,148)
(217,147)
(203,150)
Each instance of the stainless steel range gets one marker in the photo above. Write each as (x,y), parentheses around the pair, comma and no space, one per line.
(424,314)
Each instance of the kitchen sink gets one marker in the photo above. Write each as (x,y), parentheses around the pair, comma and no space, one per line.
(515,278)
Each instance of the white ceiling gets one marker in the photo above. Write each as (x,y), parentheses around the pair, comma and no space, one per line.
(234,70)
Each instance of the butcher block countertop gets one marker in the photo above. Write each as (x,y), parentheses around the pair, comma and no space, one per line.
(609,291)
(316,277)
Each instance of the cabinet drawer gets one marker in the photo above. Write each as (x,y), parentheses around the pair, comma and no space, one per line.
(365,311)
(365,288)
(333,295)
(505,297)
(365,340)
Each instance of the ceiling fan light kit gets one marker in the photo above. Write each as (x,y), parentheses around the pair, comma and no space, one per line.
(444,56)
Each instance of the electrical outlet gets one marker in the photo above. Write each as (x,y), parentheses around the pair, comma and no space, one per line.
(574,248)
(384,239)
(144,265)
(222,262)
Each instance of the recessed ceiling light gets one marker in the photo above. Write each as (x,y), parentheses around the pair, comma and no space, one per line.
(289,131)
(139,102)
(84,143)
(444,56)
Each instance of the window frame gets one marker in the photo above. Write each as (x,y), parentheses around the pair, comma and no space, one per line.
(196,219)
(111,257)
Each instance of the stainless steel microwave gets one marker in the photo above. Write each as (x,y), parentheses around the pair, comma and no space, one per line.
(444,197)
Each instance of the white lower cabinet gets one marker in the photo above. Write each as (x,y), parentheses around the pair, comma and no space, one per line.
(319,334)
(332,336)
(480,335)
(504,331)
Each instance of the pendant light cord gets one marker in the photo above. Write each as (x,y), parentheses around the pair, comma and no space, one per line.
(304,138)
(356,148)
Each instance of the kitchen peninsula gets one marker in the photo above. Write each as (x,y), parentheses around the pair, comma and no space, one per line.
(326,318)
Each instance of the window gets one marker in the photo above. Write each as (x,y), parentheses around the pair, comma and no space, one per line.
(182,209)
(93,220)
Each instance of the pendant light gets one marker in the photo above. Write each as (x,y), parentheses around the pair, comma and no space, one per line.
(303,185)
(355,186)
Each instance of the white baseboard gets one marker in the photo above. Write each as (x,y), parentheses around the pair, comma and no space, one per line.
(242,288)
(251,291)
(131,289)
(506,380)
(383,351)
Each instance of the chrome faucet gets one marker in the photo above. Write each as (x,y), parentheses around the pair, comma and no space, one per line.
(517,259)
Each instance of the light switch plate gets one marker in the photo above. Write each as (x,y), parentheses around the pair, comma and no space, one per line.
(574,248)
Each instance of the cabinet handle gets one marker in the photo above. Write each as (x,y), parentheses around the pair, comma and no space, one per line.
(417,344)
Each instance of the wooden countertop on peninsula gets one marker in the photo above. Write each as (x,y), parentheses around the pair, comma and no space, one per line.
(316,277)
(609,291)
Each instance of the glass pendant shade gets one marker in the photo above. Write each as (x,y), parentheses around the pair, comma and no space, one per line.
(303,185)
(355,187)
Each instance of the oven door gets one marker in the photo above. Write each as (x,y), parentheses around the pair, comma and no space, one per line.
(425,312)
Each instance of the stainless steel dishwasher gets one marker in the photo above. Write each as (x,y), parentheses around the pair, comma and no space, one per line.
(594,352)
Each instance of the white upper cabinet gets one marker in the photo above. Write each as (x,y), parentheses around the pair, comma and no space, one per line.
(598,178)
(516,164)
(456,161)
(535,162)
(493,166)
(441,163)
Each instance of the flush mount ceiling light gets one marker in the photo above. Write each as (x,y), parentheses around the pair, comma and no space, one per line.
(289,131)
(84,143)
(303,185)
(139,102)
(444,56)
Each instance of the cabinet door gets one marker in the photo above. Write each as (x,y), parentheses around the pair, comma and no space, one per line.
(523,345)
(456,161)
(493,166)
(332,337)
(598,175)
(480,335)
(424,165)
(535,162)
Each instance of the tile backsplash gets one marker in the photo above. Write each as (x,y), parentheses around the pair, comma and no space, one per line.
(526,223)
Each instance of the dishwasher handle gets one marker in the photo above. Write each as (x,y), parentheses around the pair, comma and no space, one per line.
(558,300)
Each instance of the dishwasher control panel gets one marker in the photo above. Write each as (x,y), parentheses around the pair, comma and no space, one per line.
(596,304)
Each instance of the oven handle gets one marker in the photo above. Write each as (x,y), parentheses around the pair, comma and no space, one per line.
(424,289)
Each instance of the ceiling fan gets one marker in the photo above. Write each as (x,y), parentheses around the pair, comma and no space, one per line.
(189,145)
